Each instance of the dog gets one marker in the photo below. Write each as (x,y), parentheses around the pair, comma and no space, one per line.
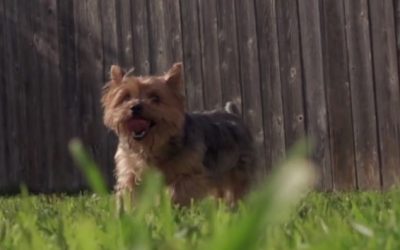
(198,154)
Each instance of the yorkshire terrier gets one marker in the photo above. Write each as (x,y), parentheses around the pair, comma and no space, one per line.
(199,154)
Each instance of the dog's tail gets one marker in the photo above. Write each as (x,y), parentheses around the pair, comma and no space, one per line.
(230,107)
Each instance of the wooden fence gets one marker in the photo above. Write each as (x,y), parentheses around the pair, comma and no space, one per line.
(326,68)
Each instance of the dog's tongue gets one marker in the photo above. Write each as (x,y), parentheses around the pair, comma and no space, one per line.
(138,125)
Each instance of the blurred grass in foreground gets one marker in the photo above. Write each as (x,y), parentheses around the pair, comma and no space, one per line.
(276,216)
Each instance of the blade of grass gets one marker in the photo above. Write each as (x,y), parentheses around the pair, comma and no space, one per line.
(87,165)
(270,204)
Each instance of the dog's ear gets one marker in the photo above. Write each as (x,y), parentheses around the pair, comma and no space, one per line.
(116,73)
(174,76)
(116,76)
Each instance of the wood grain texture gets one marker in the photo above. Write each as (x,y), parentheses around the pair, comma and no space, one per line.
(46,119)
(192,55)
(48,46)
(94,81)
(22,80)
(228,52)
(396,4)
(49,129)
(209,54)
(274,131)
(110,57)
(291,73)
(70,87)
(338,95)
(325,68)
(174,31)
(316,106)
(397,24)
(89,70)
(82,101)
(3,162)
(34,169)
(165,34)
(125,34)
(362,94)
(159,54)
(386,88)
(250,75)
(140,37)
(11,69)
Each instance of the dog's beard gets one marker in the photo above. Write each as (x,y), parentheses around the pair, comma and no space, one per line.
(156,140)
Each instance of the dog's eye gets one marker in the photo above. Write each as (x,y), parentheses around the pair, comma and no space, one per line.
(155,98)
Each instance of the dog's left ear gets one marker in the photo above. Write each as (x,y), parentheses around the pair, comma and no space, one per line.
(116,73)
(174,76)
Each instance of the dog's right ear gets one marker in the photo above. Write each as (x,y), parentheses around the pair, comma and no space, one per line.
(116,73)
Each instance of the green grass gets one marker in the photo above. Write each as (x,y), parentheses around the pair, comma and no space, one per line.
(280,214)
(320,221)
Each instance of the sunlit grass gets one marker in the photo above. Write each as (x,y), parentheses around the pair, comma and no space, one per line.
(281,214)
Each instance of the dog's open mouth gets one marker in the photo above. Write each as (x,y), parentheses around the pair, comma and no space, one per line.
(140,127)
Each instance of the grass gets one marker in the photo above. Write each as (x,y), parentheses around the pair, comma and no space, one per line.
(281,214)
(320,221)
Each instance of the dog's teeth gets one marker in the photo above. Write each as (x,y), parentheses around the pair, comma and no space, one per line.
(139,135)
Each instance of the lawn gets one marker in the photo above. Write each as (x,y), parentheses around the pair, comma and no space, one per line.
(320,221)
(280,214)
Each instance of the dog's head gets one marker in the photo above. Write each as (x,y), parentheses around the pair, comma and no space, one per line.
(146,110)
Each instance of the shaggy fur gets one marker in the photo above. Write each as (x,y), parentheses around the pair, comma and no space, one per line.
(199,154)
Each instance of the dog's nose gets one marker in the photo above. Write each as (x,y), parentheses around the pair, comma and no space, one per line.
(137,109)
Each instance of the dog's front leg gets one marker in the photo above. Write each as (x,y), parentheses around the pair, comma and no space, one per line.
(128,173)
(188,188)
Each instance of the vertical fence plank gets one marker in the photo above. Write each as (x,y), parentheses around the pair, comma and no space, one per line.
(174,30)
(28,28)
(46,44)
(46,102)
(3,163)
(397,24)
(316,113)
(192,55)
(274,133)
(140,37)
(165,34)
(338,95)
(11,69)
(156,35)
(94,81)
(90,73)
(40,170)
(362,94)
(36,174)
(125,36)
(82,116)
(209,54)
(250,74)
(70,89)
(22,80)
(110,56)
(291,74)
(228,52)
(386,88)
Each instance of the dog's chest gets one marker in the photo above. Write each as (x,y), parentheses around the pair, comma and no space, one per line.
(186,163)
